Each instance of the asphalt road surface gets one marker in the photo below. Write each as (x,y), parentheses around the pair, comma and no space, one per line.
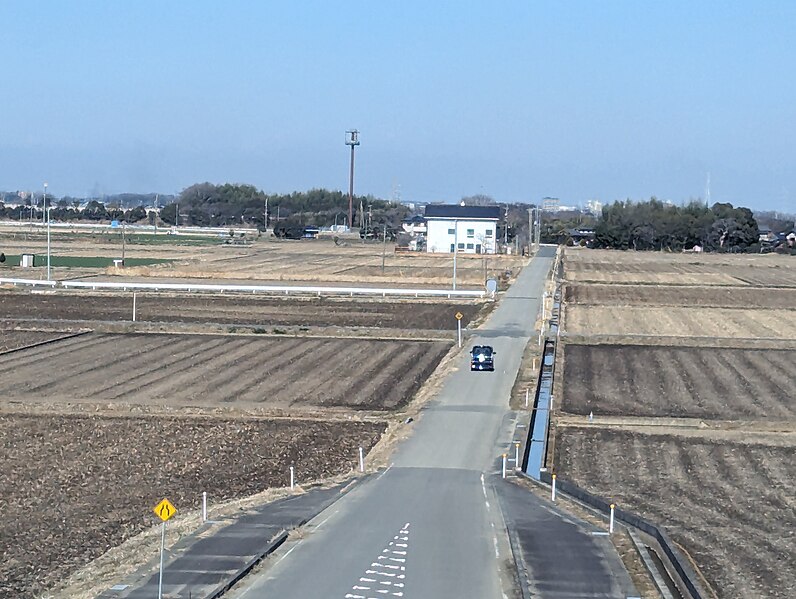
(429,526)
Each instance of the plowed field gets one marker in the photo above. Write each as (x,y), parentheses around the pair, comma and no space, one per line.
(725,384)
(15,339)
(732,505)
(680,322)
(238,309)
(71,487)
(704,297)
(213,370)
(649,268)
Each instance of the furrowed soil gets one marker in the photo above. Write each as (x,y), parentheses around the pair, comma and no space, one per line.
(730,504)
(714,383)
(239,310)
(687,363)
(655,268)
(269,373)
(680,321)
(72,487)
(698,297)
(10,340)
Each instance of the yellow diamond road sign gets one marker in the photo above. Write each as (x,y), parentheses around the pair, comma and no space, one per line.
(165,510)
(459,316)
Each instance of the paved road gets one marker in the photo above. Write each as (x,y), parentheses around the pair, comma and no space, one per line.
(429,526)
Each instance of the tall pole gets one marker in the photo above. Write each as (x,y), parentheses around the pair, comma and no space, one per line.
(351,186)
(123,242)
(351,139)
(265,216)
(48,245)
(455,248)
(531,230)
(384,248)
(45,203)
(506,227)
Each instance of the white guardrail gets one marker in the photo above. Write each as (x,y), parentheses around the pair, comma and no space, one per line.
(272,289)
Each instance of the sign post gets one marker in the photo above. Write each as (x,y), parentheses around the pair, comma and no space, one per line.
(459,317)
(163,510)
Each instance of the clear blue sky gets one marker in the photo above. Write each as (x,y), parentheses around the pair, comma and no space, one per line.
(516,99)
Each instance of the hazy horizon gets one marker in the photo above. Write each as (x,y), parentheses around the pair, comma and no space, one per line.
(580,101)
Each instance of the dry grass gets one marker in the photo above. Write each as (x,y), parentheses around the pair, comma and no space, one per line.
(680,322)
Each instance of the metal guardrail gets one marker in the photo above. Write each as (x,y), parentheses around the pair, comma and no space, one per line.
(31,282)
(682,567)
(272,289)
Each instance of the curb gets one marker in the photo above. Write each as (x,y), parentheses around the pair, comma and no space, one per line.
(237,577)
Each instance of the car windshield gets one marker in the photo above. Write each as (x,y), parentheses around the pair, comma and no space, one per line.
(485,350)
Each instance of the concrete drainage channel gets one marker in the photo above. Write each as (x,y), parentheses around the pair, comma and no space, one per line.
(535,463)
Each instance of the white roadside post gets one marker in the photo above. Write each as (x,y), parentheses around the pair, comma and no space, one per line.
(611,520)
(459,317)
(292,478)
(553,489)
(204,506)
(504,465)
(361,460)
(516,455)
(527,393)
(133,306)
(163,510)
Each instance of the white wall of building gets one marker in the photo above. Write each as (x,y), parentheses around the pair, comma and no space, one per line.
(469,234)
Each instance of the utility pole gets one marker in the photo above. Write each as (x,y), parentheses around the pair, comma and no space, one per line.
(455,249)
(351,139)
(506,227)
(43,214)
(531,230)
(265,216)
(384,249)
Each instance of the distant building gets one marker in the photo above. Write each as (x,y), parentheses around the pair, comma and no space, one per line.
(472,228)
(414,225)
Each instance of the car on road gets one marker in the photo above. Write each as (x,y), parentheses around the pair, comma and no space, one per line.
(482,357)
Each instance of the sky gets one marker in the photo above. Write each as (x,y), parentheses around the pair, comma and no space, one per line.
(519,100)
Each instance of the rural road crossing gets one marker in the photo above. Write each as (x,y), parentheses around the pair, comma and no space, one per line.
(434,498)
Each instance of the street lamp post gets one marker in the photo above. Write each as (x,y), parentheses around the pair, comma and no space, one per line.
(45,203)
(455,248)
(48,242)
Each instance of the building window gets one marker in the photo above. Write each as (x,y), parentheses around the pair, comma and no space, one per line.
(488,233)
(470,246)
(470,232)
(461,246)
(451,231)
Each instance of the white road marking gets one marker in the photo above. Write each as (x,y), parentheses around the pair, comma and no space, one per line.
(325,520)
(386,574)
(497,551)
(288,552)
(483,485)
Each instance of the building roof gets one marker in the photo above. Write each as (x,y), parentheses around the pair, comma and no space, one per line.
(462,212)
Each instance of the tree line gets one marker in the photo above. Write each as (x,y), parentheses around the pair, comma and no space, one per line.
(656,225)
(210,205)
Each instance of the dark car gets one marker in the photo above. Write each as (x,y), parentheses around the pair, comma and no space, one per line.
(482,357)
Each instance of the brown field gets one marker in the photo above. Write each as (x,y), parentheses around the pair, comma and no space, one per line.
(71,487)
(680,321)
(715,383)
(730,504)
(271,260)
(215,370)
(696,297)
(646,268)
(654,340)
(10,340)
(239,310)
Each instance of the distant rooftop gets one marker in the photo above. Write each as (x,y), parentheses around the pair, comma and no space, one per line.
(463,212)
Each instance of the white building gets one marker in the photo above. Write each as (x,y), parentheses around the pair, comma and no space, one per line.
(472,228)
